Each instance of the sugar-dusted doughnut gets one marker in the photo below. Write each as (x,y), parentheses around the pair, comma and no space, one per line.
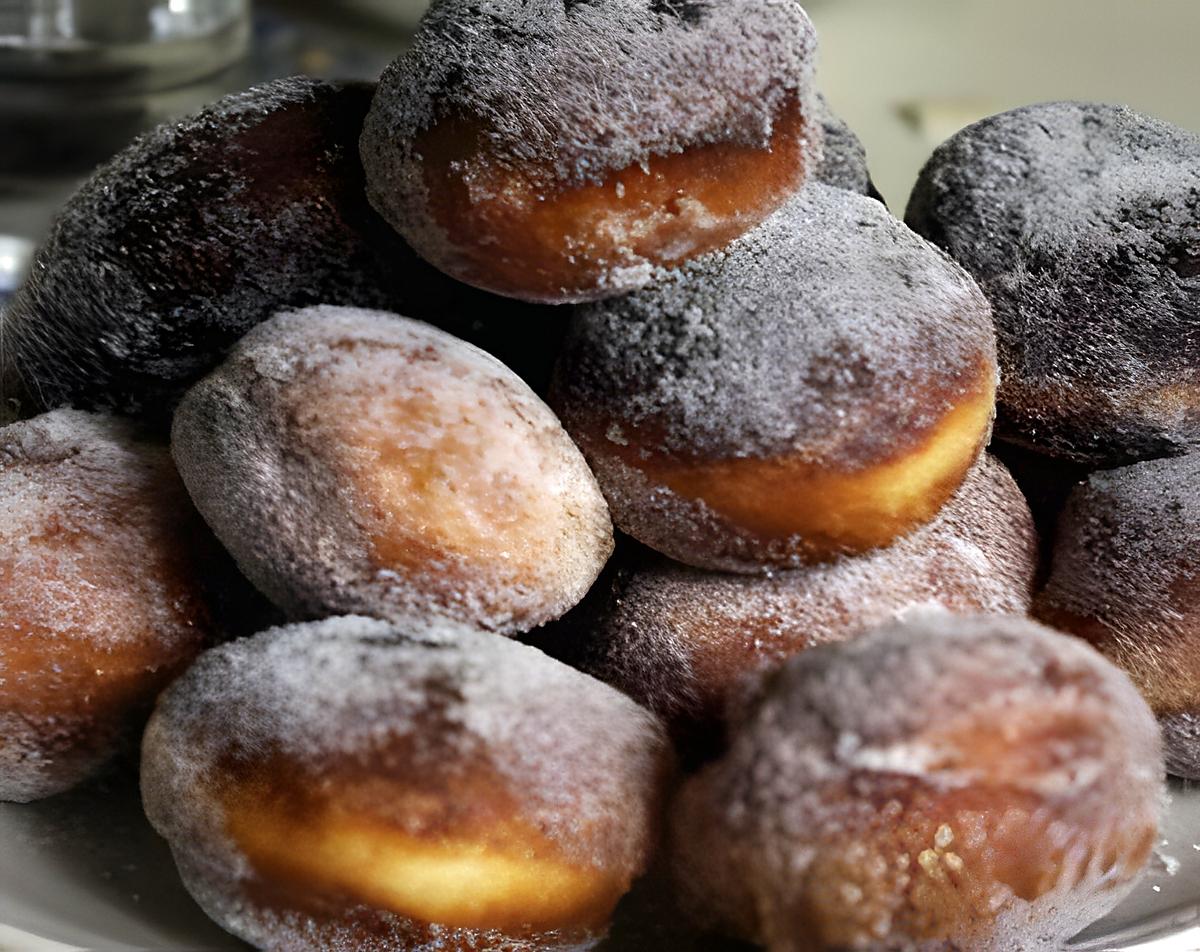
(945,783)
(819,388)
(558,151)
(685,642)
(191,236)
(360,462)
(1081,223)
(350,784)
(1125,574)
(105,575)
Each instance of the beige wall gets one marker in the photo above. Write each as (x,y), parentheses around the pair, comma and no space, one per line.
(908,73)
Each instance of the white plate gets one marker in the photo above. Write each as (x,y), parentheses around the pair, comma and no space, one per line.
(85,871)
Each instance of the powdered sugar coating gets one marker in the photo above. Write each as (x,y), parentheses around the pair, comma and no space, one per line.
(1126,574)
(893,777)
(584,89)
(192,235)
(363,929)
(357,461)
(102,564)
(685,642)
(1082,224)
(831,336)
(584,764)
(831,332)
(543,150)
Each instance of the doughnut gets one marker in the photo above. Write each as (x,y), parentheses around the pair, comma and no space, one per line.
(819,388)
(354,784)
(559,152)
(941,783)
(1081,222)
(188,238)
(103,597)
(684,641)
(844,162)
(357,462)
(1125,575)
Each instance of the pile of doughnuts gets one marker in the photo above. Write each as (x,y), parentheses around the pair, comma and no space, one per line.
(1081,223)
(547,494)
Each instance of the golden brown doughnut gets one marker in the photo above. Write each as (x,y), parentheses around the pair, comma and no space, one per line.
(943,783)
(104,597)
(819,388)
(357,461)
(350,784)
(685,642)
(559,152)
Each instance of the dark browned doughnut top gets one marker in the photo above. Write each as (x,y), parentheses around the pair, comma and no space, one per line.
(581,88)
(1082,224)
(831,331)
(192,235)
(1127,539)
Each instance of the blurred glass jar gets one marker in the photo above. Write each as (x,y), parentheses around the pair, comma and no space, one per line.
(80,78)
(128,45)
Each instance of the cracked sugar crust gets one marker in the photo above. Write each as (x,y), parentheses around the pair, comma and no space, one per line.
(686,642)
(880,330)
(196,232)
(978,782)
(1126,575)
(100,600)
(1082,224)
(582,763)
(587,88)
(357,461)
